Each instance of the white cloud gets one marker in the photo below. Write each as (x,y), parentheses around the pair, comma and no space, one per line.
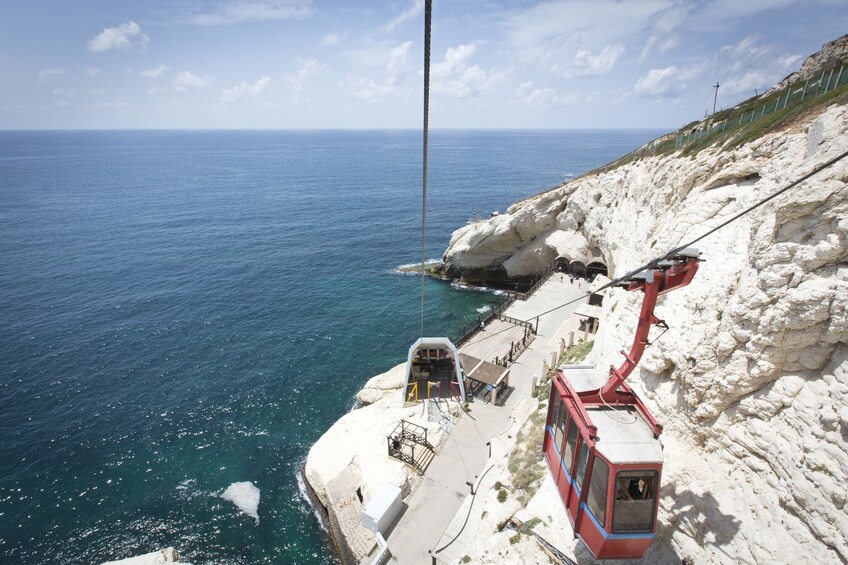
(586,63)
(255,10)
(114,105)
(598,22)
(749,65)
(456,76)
(63,92)
(723,11)
(366,88)
(333,38)
(663,28)
(307,69)
(244,90)
(186,79)
(93,71)
(122,38)
(544,97)
(46,74)
(398,63)
(741,68)
(410,12)
(657,82)
(154,72)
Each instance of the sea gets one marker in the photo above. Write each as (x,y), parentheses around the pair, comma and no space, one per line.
(183,311)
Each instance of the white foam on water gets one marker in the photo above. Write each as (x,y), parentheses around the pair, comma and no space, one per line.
(245,496)
(301,486)
(484,309)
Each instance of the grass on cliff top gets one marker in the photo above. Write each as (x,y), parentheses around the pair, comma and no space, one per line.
(735,136)
(578,353)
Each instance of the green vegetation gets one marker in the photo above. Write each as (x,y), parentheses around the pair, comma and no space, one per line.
(498,485)
(745,122)
(776,118)
(515,539)
(526,466)
(784,118)
(501,496)
(532,523)
(466,559)
(578,353)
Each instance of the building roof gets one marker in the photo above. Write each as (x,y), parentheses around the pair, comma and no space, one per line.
(600,280)
(588,310)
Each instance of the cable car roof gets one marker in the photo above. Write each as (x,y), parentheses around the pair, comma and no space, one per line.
(623,435)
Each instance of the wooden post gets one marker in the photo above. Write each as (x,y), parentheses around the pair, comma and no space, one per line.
(533,385)
(570,339)
(544,369)
(553,359)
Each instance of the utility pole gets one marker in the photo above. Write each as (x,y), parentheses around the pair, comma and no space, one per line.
(716,85)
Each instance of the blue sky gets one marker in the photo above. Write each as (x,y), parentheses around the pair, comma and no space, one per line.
(332,64)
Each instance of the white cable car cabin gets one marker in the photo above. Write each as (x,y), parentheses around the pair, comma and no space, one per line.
(433,371)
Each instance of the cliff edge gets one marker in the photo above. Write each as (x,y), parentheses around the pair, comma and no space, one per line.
(751,382)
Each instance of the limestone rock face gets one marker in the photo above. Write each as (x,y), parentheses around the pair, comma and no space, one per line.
(492,243)
(751,381)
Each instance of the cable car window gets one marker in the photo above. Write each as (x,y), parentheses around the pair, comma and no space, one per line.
(582,460)
(559,429)
(635,496)
(597,500)
(568,448)
(554,412)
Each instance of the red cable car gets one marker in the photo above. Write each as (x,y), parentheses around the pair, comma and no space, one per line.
(601,441)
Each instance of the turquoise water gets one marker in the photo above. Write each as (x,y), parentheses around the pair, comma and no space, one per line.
(185,310)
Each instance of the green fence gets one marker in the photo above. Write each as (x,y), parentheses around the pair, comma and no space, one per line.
(792,94)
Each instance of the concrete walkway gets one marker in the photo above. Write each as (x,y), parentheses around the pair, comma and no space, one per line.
(439,500)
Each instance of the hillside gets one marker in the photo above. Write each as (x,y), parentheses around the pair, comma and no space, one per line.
(751,382)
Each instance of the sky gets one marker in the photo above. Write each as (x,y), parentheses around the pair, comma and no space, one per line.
(314,64)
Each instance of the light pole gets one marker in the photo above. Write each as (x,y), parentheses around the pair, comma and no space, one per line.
(716,85)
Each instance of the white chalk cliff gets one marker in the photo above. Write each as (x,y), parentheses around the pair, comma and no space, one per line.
(751,382)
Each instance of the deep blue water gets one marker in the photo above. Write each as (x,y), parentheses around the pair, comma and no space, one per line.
(184,310)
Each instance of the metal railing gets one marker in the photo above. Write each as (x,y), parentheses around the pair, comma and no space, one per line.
(794,93)
(409,434)
(497,313)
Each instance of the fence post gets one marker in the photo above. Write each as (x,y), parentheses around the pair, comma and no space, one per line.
(830,76)
(838,76)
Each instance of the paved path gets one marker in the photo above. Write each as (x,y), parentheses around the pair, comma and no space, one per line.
(434,505)
(493,341)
